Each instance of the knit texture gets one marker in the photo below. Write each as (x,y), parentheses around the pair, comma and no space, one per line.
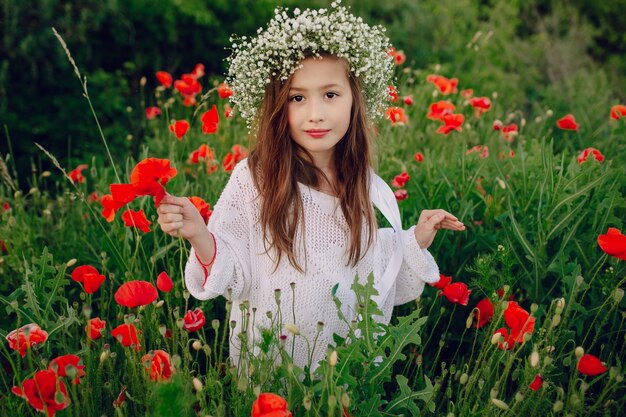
(243,272)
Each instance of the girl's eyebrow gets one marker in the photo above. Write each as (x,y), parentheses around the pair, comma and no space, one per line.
(323,87)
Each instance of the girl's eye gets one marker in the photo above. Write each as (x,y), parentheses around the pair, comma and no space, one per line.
(330,94)
(297,99)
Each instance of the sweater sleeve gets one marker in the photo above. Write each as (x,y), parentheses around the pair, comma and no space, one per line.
(230,225)
(418,266)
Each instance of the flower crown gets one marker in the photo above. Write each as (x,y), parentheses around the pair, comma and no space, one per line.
(277,50)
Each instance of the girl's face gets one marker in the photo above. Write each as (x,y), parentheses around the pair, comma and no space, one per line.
(320,103)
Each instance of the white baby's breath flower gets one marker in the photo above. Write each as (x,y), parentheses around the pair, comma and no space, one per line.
(278,49)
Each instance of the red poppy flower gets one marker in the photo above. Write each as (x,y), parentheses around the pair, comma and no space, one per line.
(597,155)
(613,242)
(203,153)
(43,392)
(135,293)
(76,175)
(268,404)
(590,365)
(508,343)
(231,159)
(60,364)
(408,100)
(93,197)
(537,382)
(519,321)
(179,128)
(480,105)
(393,93)
(136,219)
(89,277)
(224,91)
(398,56)
(437,110)
(451,122)
(147,178)
(158,365)
(127,335)
(188,85)
(401,194)
(396,115)
(121,398)
(457,293)
(482,150)
(419,157)
(618,111)
(228,111)
(164,282)
(189,101)
(26,337)
(152,112)
(95,327)
(400,180)
(467,93)
(444,85)
(203,207)
(567,122)
(509,132)
(194,320)
(165,78)
(444,280)
(110,206)
(198,71)
(484,312)
(210,120)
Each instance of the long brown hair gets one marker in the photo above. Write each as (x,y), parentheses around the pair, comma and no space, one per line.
(278,163)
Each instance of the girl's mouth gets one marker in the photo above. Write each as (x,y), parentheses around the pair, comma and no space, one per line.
(317,133)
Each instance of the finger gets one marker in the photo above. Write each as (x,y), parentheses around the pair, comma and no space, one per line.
(169,208)
(171,218)
(429,213)
(171,227)
(173,200)
(434,220)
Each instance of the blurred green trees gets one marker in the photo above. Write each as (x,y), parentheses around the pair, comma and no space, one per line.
(522,50)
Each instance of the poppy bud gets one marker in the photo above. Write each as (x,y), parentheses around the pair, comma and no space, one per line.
(197,345)
(345,400)
(71,262)
(497,338)
(306,403)
(534,359)
(618,294)
(547,361)
(556,320)
(197,384)
(463,379)
(519,397)
(292,328)
(579,351)
(332,359)
(500,404)
(557,406)
(215,324)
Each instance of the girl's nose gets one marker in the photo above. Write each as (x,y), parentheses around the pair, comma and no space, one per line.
(316,111)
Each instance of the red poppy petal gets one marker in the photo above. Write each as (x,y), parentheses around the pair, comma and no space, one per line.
(135,293)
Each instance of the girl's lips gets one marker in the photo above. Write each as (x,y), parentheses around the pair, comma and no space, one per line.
(317,133)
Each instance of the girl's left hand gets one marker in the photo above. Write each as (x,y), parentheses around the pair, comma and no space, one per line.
(432,220)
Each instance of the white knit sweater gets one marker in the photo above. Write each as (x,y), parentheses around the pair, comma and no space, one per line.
(242,266)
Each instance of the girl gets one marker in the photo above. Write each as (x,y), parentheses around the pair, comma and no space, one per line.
(297,217)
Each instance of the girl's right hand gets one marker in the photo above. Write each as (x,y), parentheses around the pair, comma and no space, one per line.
(179,217)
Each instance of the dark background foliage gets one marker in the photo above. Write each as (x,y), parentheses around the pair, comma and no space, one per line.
(536,44)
